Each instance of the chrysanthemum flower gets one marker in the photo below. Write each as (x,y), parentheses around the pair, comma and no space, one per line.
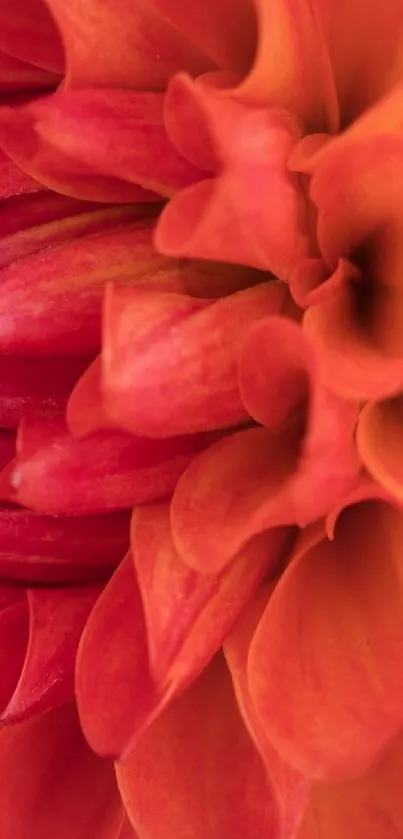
(201,419)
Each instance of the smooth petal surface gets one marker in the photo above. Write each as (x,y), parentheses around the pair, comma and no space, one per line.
(371,806)
(28,32)
(380,443)
(196,387)
(30,385)
(63,550)
(289,788)
(56,474)
(331,639)
(17,76)
(56,620)
(199,763)
(251,210)
(47,760)
(127,45)
(290,473)
(187,613)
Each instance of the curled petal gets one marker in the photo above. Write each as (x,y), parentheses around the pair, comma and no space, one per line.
(29,385)
(380,444)
(47,759)
(290,789)
(56,474)
(28,32)
(291,472)
(187,613)
(250,210)
(199,763)
(330,639)
(196,386)
(124,45)
(64,550)
(56,620)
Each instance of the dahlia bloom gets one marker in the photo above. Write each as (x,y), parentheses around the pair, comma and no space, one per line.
(201,419)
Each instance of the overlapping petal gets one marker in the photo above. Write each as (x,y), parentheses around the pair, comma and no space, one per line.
(195,388)
(29,385)
(380,443)
(28,32)
(330,639)
(292,471)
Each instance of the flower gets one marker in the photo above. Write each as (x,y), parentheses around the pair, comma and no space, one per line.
(200,409)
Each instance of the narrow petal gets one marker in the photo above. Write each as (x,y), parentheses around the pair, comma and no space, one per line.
(56,620)
(290,473)
(28,32)
(196,387)
(187,613)
(56,474)
(199,763)
(64,550)
(251,210)
(380,443)
(31,385)
(47,760)
(371,805)
(330,639)
(289,788)
(117,46)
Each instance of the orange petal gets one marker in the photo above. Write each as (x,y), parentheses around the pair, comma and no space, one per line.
(199,766)
(46,762)
(330,640)
(124,45)
(380,443)
(251,210)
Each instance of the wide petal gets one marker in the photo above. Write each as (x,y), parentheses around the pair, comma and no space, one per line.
(28,32)
(56,620)
(251,209)
(30,385)
(17,76)
(127,45)
(330,639)
(289,473)
(46,760)
(196,387)
(199,763)
(380,443)
(56,474)
(371,805)
(53,550)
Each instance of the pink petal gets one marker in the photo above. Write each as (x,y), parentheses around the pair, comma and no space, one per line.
(56,474)
(251,211)
(330,640)
(290,789)
(188,614)
(53,550)
(28,32)
(199,763)
(29,385)
(56,620)
(196,386)
(292,472)
(127,45)
(47,760)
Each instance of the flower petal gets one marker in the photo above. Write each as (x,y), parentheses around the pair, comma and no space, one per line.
(251,211)
(63,550)
(125,45)
(292,472)
(28,32)
(56,474)
(380,443)
(331,639)
(196,387)
(47,760)
(199,763)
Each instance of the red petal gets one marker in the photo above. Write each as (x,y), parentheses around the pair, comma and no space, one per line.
(330,640)
(16,75)
(200,765)
(127,45)
(7,447)
(52,550)
(35,385)
(27,31)
(196,387)
(55,473)
(288,787)
(46,761)
(13,181)
(380,443)
(292,472)
(188,614)
(371,806)
(56,620)
(14,628)
(253,211)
